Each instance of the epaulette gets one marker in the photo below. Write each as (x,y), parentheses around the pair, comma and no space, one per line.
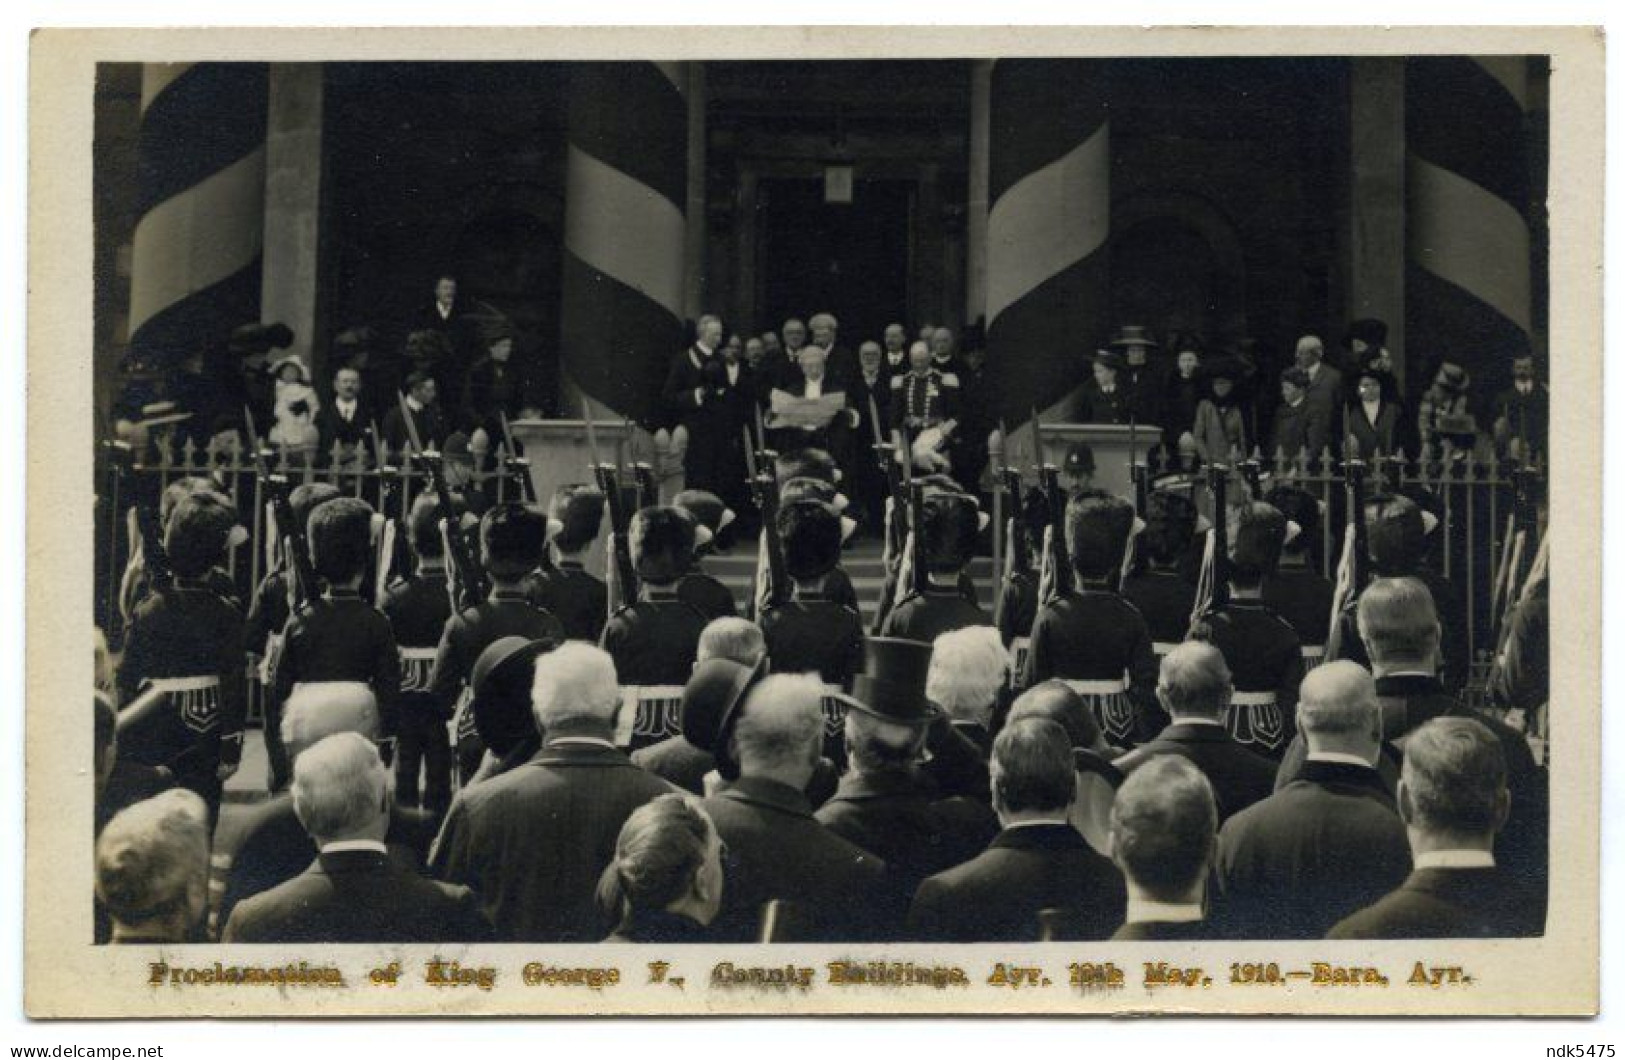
(950,379)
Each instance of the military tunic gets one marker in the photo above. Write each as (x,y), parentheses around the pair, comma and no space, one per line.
(577,599)
(341,637)
(417,611)
(1266,667)
(1093,639)
(654,643)
(924,615)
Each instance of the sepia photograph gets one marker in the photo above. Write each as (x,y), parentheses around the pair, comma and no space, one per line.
(782,522)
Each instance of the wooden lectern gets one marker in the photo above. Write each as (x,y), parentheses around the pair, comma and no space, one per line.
(1114,446)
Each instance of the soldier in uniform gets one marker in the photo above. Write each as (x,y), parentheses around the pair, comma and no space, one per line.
(1018,598)
(1093,638)
(946,541)
(837,583)
(182,676)
(579,600)
(925,407)
(135,585)
(1260,647)
(1162,587)
(267,620)
(654,641)
(698,587)
(513,540)
(340,636)
(417,609)
(811,631)
(1297,590)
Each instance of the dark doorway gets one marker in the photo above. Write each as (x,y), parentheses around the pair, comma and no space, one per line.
(849,259)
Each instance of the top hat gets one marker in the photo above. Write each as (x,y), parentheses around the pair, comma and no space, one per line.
(892,684)
(711,700)
(500,686)
(1132,335)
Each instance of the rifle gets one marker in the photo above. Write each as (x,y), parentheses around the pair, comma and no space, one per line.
(1218,484)
(149,536)
(389,542)
(472,587)
(296,553)
(1354,474)
(916,520)
(512,461)
(1049,477)
(648,492)
(886,456)
(764,493)
(620,523)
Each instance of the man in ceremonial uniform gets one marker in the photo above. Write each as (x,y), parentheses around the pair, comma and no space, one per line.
(837,584)
(341,636)
(1163,588)
(513,540)
(182,676)
(698,587)
(654,640)
(830,434)
(925,407)
(694,394)
(1260,647)
(417,609)
(810,632)
(946,540)
(579,600)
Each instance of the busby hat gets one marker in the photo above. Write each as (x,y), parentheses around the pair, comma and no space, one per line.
(579,508)
(1257,534)
(1370,331)
(1132,335)
(1298,506)
(811,463)
(200,529)
(500,683)
(340,532)
(1396,533)
(305,498)
(811,532)
(948,528)
(892,684)
(712,697)
(662,543)
(1170,526)
(812,489)
(258,339)
(707,508)
(513,540)
(1098,526)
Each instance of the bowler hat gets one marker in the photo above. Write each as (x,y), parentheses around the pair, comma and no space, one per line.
(500,683)
(712,697)
(892,684)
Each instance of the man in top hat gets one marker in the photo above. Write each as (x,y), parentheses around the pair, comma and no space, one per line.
(341,636)
(424,407)
(777,850)
(885,803)
(1094,638)
(182,676)
(1164,827)
(417,609)
(731,658)
(513,540)
(1162,587)
(653,641)
(946,541)
(564,588)
(1325,390)
(925,406)
(699,588)
(1038,863)
(1145,379)
(1260,647)
(811,632)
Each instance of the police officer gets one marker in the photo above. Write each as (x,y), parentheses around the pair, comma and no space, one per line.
(579,600)
(946,539)
(1260,647)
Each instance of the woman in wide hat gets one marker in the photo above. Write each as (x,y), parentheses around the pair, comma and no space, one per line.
(1373,417)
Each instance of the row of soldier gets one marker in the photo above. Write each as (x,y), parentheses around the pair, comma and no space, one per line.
(183,666)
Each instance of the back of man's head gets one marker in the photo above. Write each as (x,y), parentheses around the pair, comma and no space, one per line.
(580,509)
(732,638)
(1055,700)
(781,728)
(1163,822)
(1195,682)
(152,865)
(1399,623)
(1453,784)
(575,685)
(1338,710)
(874,745)
(1396,534)
(340,533)
(319,709)
(1032,770)
(341,789)
(968,668)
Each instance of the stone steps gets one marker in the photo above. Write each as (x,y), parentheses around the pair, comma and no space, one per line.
(862,564)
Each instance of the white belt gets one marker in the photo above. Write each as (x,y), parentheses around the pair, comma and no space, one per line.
(419,654)
(1252,699)
(183,684)
(1313,651)
(1107,687)
(1163,647)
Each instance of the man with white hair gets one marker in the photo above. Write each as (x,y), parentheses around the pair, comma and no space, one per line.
(533,841)
(676,759)
(152,869)
(1194,687)
(1163,826)
(777,849)
(353,892)
(1453,799)
(1324,394)
(275,847)
(969,669)
(1328,843)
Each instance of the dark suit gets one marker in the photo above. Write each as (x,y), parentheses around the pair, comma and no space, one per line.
(777,849)
(1306,425)
(1325,394)
(1102,407)
(533,842)
(333,427)
(1459,903)
(430,424)
(359,896)
(1165,931)
(577,599)
(1325,845)
(678,762)
(1238,776)
(997,896)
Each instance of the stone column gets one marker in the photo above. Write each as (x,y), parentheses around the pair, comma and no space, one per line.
(291,288)
(1376,232)
(981,86)
(695,290)
(195,259)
